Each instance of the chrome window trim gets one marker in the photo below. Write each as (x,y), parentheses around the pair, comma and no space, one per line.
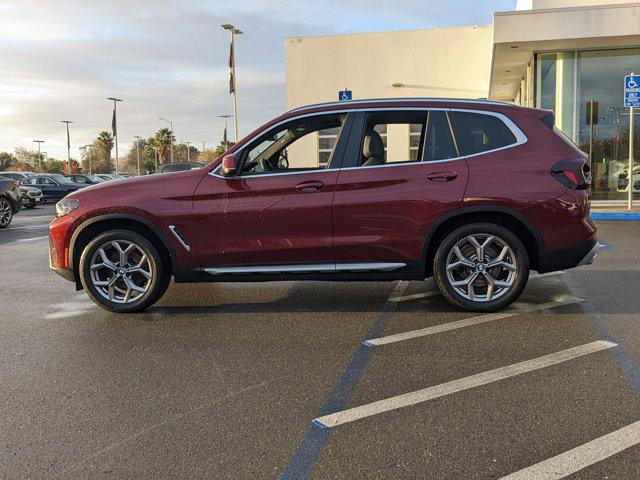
(521,138)
(316,267)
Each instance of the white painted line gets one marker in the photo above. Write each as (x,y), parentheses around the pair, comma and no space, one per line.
(581,457)
(31,227)
(489,317)
(419,396)
(542,275)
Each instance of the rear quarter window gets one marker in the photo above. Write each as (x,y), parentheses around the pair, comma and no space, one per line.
(478,132)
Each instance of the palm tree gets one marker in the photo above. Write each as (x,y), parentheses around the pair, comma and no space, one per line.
(105,143)
(162,142)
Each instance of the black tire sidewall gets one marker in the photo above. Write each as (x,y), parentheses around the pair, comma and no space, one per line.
(2,201)
(157,270)
(440,266)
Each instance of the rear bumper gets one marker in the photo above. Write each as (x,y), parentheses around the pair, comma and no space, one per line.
(582,254)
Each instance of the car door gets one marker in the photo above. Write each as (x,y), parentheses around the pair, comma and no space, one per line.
(49,187)
(276,212)
(402,170)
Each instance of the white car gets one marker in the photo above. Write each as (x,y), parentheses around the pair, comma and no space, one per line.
(110,176)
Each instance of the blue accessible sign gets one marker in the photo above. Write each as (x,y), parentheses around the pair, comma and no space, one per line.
(344,95)
(632,91)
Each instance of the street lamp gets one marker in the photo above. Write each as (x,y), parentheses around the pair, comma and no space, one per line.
(68,147)
(84,149)
(171,125)
(39,142)
(224,135)
(114,125)
(138,137)
(188,153)
(232,73)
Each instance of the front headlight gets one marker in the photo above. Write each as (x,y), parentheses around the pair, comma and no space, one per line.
(66,206)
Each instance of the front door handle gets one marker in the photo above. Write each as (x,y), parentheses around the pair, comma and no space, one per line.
(442,176)
(310,186)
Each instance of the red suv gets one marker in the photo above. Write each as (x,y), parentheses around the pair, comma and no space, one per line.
(475,193)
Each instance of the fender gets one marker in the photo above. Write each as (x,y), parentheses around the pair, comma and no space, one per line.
(123,216)
(478,209)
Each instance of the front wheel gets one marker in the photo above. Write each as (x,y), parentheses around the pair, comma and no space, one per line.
(6,213)
(123,272)
(481,266)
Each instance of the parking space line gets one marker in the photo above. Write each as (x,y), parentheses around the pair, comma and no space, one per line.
(489,317)
(29,239)
(309,450)
(581,457)
(448,388)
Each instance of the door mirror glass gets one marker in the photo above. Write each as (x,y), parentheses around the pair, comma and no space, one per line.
(228,167)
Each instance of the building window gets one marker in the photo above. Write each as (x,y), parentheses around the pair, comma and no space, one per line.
(326,142)
(570,83)
(415,130)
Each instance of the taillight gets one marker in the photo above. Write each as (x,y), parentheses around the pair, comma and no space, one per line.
(574,174)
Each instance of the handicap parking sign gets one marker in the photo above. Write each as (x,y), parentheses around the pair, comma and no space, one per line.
(344,95)
(632,91)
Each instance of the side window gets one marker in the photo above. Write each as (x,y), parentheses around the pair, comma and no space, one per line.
(439,144)
(477,132)
(392,137)
(300,145)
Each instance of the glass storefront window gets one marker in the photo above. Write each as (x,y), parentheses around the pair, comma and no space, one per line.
(566,82)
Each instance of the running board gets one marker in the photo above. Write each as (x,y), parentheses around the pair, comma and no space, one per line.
(321,267)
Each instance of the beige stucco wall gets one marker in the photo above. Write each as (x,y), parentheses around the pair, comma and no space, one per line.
(543,4)
(450,62)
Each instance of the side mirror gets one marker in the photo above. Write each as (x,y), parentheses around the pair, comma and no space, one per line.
(228,167)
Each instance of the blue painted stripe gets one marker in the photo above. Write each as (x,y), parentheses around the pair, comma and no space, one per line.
(626,363)
(309,450)
(614,216)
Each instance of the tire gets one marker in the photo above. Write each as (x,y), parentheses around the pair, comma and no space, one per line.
(497,281)
(123,288)
(6,213)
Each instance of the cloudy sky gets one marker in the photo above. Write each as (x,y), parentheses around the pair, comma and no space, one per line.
(60,59)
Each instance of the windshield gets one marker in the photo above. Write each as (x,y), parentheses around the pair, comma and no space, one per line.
(62,179)
(95,178)
(116,176)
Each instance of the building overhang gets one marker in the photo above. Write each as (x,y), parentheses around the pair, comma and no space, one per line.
(517,35)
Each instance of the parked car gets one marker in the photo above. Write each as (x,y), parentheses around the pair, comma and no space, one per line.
(127,175)
(108,177)
(84,178)
(53,185)
(10,200)
(31,196)
(480,194)
(179,167)
(19,176)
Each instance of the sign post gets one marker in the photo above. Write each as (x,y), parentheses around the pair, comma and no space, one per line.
(631,100)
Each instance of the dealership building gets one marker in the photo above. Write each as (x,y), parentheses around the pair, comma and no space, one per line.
(569,56)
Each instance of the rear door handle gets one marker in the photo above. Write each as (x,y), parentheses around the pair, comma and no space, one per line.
(442,176)
(310,186)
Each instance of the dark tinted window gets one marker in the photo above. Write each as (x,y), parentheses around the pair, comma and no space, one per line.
(478,132)
(439,144)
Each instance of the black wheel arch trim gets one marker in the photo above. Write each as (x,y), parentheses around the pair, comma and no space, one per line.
(478,209)
(122,216)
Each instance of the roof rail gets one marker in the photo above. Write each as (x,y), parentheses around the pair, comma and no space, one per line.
(401,99)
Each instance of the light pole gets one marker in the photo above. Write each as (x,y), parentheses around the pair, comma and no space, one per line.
(137,137)
(188,153)
(171,125)
(68,147)
(232,73)
(84,149)
(114,125)
(39,142)
(224,135)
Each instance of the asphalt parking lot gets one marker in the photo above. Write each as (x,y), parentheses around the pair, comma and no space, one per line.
(274,380)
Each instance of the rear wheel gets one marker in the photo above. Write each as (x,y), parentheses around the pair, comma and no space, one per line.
(6,213)
(481,266)
(123,272)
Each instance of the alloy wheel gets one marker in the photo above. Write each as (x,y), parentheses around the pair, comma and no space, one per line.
(121,271)
(481,267)
(5,212)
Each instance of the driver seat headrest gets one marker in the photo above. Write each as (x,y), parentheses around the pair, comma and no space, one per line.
(372,149)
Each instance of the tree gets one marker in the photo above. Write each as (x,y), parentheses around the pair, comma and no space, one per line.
(220,148)
(101,148)
(162,141)
(5,160)
(207,157)
(180,152)
(26,160)
(131,160)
